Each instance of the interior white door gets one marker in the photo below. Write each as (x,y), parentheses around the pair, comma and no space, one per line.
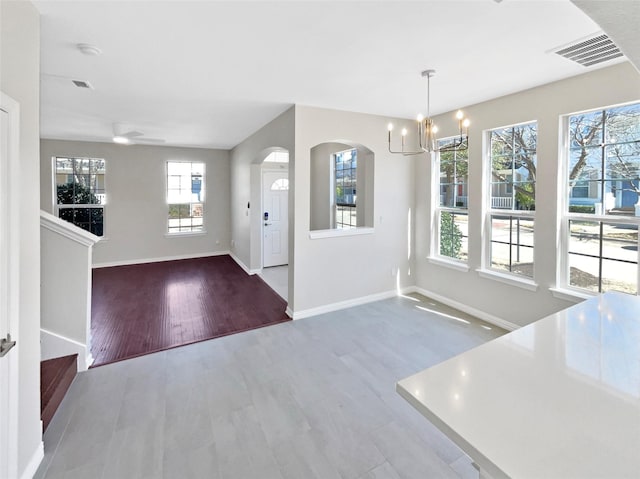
(275,218)
(8,288)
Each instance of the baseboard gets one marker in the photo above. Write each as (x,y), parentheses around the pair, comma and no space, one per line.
(489,318)
(289,312)
(243,266)
(328,308)
(34,462)
(53,345)
(158,260)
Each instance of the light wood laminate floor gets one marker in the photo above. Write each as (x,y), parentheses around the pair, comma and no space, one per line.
(312,398)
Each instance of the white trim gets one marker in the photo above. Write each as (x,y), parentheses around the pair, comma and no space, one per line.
(10,297)
(289,311)
(182,234)
(510,279)
(66,229)
(127,262)
(489,318)
(570,295)
(328,308)
(449,263)
(53,345)
(318,234)
(34,462)
(243,266)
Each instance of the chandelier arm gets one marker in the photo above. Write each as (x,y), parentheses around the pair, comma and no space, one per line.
(405,153)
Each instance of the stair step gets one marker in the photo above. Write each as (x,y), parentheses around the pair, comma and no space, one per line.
(56,375)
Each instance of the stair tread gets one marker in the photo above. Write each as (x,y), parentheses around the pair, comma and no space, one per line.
(56,375)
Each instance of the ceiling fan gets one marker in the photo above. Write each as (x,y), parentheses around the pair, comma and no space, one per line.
(132,137)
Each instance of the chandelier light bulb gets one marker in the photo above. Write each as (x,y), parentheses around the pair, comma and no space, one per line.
(404,132)
(466,123)
(420,117)
(434,129)
(459,115)
(390,127)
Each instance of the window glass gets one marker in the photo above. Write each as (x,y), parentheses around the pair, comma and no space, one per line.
(602,214)
(451,210)
(345,180)
(80,192)
(513,163)
(185,196)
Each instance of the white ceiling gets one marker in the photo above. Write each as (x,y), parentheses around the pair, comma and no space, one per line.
(210,73)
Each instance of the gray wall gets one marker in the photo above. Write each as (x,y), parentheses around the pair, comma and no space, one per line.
(246,188)
(20,79)
(545,104)
(136,210)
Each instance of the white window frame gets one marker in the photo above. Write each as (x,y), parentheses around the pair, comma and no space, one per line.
(192,232)
(436,211)
(58,206)
(563,288)
(487,270)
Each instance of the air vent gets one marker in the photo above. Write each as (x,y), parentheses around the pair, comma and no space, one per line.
(82,84)
(594,50)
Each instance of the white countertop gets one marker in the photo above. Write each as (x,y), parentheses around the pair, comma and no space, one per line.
(559,398)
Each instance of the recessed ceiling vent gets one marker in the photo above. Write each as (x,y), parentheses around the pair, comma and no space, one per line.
(593,50)
(82,84)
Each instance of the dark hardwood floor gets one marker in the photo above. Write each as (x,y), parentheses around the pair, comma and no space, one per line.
(140,309)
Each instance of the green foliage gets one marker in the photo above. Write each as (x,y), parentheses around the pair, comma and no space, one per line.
(450,236)
(89,219)
(588,209)
(177,211)
(524,200)
(75,194)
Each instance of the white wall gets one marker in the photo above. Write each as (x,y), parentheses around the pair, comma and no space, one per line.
(20,79)
(136,210)
(545,104)
(246,188)
(343,268)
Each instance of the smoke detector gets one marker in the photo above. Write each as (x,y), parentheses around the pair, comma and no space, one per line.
(88,49)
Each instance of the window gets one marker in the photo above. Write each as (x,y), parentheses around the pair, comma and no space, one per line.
(511,217)
(80,192)
(277,157)
(600,247)
(452,211)
(345,168)
(185,196)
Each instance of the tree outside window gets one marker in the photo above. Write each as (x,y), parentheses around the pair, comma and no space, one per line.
(80,192)
(602,213)
(452,211)
(512,201)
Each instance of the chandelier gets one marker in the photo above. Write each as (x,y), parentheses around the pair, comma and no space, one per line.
(427,131)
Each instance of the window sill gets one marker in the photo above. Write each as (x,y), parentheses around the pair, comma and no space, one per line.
(509,279)
(182,234)
(319,234)
(570,294)
(449,263)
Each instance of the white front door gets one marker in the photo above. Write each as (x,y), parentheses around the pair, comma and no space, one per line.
(275,218)
(9,225)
